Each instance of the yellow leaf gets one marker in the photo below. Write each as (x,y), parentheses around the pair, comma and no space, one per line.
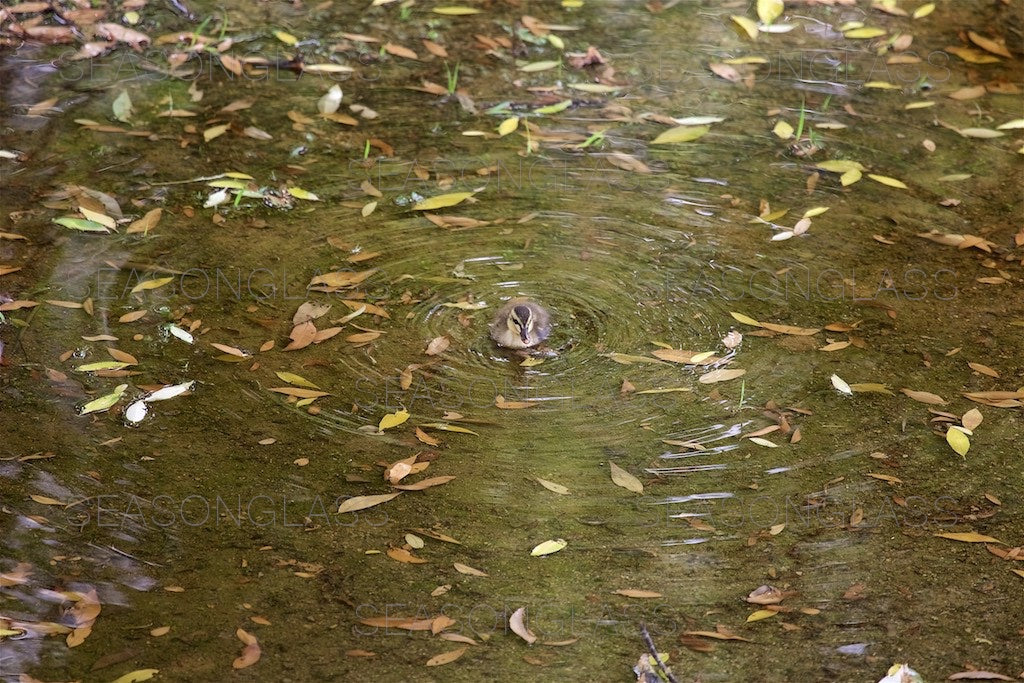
(441,201)
(507,126)
(214,132)
(957,440)
(137,675)
(924,10)
(299,193)
(549,547)
(850,177)
(151,284)
(456,11)
(761,614)
(865,32)
(680,134)
(769,10)
(840,166)
(748,25)
(886,180)
(621,477)
(393,420)
(969,537)
(783,130)
(745,319)
(286,38)
(297,380)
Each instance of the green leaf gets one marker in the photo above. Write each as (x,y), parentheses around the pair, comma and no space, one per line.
(553,108)
(80,224)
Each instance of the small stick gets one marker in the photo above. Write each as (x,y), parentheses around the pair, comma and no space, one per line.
(654,653)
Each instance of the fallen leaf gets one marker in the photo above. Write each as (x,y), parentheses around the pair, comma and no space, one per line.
(621,477)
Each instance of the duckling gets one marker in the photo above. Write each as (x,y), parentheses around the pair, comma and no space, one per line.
(520,324)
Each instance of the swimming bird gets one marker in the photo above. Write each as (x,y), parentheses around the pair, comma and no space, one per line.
(520,324)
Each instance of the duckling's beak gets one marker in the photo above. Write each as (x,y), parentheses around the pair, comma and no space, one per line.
(523,334)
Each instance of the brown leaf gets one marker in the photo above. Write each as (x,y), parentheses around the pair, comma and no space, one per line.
(302,335)
(924,397)
(437,345)
(399,51)
(250,653)
(362,502)
(468,571)
(426,483)
(517,622)
(500,402)
(636,593)
(403,555)
(446,657)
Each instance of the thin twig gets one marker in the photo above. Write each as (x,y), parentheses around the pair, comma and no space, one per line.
(654,653)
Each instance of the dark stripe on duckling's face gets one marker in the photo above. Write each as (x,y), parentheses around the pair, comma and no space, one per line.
(521,318)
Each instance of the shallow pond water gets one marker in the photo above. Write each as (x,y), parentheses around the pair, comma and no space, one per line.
(218,510)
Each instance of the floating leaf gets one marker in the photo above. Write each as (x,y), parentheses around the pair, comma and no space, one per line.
(636,593)
(456,11)
(539,66)
(170,392)
(299,193)
(958,440)
(621,477)
(886,180)
(553,487)
(769,10)
(840,384)
(549,547)
(517,622)
(441,201)
(446,657)
(924,397)
(553,108)
(392,420)
(924,10)
(969,537)
(151,284)
(680,134)
(137,676)
(123,107)
(507,126)
(864,33)
(80,224)
(362,502)
(721,375)
(746,25)
(250,653)
(102,403)
(469,571)
(286,38)
(761,614)
(783,130)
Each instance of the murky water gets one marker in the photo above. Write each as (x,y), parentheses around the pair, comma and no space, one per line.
(218,510)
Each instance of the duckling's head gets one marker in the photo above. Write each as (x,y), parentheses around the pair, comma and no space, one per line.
(521,322)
